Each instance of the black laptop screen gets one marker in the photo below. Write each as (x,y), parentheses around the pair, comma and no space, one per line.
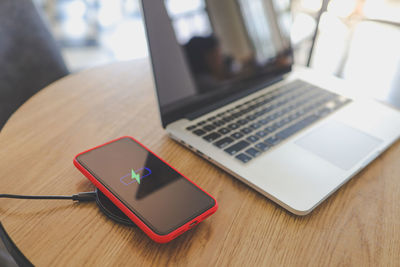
(205,51)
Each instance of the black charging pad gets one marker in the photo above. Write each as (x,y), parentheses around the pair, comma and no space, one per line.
(110,210)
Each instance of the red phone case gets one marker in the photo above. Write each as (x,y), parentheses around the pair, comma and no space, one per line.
(156,237)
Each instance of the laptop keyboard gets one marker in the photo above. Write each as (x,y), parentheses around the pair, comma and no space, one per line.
(249,129)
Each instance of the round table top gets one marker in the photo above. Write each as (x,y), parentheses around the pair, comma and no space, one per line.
(359,224)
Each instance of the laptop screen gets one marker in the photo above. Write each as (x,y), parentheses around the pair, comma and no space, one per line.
(207,52)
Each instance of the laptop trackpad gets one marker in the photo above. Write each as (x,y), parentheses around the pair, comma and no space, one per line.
(339,144)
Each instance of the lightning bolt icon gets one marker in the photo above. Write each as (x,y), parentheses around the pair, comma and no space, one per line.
(135,176)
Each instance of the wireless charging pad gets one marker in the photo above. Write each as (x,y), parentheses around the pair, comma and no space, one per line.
(110,210)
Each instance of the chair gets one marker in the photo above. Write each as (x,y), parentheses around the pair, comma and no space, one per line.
(10,255)
(29,56)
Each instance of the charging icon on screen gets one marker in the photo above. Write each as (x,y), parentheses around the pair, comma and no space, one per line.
(135,176)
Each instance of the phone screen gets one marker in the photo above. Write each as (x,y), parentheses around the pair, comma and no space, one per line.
(162,198)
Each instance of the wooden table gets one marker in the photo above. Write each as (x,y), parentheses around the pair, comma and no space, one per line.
(359,225)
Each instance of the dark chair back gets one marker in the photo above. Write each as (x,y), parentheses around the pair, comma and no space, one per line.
(29,56)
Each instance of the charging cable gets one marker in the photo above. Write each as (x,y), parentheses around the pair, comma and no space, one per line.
(81,197)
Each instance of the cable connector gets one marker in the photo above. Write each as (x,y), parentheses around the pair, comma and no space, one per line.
(84,196)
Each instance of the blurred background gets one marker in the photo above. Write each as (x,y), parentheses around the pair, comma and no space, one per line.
(357,40)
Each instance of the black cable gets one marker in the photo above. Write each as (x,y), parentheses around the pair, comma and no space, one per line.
(83,196)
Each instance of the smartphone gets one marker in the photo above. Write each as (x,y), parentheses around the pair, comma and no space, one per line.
(156,197)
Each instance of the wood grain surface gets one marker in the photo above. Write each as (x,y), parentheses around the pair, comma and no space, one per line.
(358,226)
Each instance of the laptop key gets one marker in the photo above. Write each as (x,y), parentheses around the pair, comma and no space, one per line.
(274,116)
(227,119)
(209,127)
(212,137)
(237,135)
(191,127)
(279,123)
(224,130)
(199,132)
(246,130)
(255,125)
(259,113)
(251,117)
(236,115)
(233,126)
(270,128)
(243,157)
(263,121)
(242,121)
(261,146)
(236,147)
(253,152)
(218,123)
(252,138)
(273,140)
(223,142)
(285,133)
(261,133)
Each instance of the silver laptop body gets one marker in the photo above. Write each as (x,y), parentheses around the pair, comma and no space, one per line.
(227,91)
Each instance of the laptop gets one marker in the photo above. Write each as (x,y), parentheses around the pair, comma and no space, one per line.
(227,91)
